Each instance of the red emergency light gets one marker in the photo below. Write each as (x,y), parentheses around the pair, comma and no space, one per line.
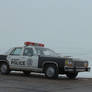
(33,44)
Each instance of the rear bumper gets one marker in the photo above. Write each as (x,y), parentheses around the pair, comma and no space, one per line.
(71,69)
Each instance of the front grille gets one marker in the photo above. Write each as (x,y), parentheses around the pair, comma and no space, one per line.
(78,64)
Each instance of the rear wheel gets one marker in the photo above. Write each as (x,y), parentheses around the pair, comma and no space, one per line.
(4,68)
(26,72)
(72,75)
(51,71)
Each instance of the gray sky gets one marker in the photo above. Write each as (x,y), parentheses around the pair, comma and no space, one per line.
(63,25)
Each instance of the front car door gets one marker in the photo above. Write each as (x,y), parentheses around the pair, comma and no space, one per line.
(14,58)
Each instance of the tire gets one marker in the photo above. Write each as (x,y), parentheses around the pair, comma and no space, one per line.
(4,68)
(51,71)
(72,75)
(26,72)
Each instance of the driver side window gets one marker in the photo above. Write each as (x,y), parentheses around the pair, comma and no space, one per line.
(16,51)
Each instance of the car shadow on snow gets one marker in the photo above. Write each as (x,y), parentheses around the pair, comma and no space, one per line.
(37,76)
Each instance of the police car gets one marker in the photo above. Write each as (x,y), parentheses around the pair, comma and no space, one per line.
(34,57)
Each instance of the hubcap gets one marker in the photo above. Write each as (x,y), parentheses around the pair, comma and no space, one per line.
(50,72)
(3,68)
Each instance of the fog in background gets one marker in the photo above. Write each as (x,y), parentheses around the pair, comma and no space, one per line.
(62,25)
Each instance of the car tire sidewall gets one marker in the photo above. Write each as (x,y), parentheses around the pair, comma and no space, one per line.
(52,70)
(4,69)
(72,75)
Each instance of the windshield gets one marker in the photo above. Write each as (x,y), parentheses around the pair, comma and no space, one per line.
(8,51)
(46,52)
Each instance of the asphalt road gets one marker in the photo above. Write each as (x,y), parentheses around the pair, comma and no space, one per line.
(17,82)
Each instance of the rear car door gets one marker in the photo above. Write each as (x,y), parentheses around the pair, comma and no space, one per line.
(31,60)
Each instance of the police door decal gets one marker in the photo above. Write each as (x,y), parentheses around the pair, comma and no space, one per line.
(17,62)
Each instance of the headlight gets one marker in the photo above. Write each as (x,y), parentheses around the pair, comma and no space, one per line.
(68,63)
(86,64)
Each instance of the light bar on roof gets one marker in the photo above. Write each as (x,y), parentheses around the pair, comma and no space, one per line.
(33,44)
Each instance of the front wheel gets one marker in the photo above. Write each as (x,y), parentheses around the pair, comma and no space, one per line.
(72,75)
(4,69)
(51,71)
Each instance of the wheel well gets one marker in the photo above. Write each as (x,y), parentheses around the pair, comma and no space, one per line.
(48,64)
(1,62)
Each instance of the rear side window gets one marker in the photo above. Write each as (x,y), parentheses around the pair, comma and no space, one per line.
(28,52)
(16,51)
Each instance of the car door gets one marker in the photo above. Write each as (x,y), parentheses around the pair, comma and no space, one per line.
(31,60)
(14,58)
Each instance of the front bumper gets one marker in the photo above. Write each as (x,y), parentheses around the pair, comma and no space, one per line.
(76,69)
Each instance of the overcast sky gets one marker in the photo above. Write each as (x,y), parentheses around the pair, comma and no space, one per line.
(63,25)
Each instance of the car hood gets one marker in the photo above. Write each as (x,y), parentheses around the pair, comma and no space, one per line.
(62,58)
